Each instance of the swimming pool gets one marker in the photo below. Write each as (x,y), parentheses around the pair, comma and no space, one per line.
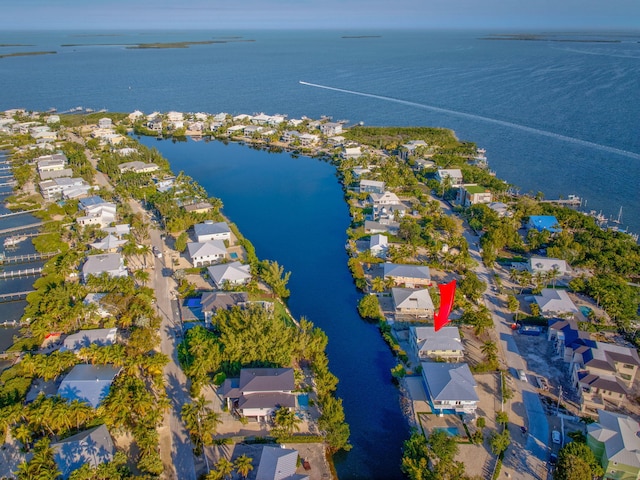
(586,311)
(451,431)
(303,401)
(233,255)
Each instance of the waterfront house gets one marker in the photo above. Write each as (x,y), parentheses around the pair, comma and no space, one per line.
(138,167)
(88,383)
(56,188)
(431,345)
(235,273)
(351,153)
(85,338)
(615,442)
(212,302)
(407,275)
(385,198)
(381,226)
(175,116)
(336,141)
(453,174)
(555,303)
(110,263)
(407,301)
(203,254)
(378,245)
(165,184)
(155,124)
(212,231)
(102,214)
(259,392)
(90,447)
(424,164)
(235,130)
(135,115)
(472,195)
(278,463)
(308,139)
(48,175)
(372,186)
(251,130)
(198,207)
(391,211)
(331,129)
(451,387)
(544,222)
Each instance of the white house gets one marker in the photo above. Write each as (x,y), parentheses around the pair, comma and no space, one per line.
(206,253)
(331,128)
(451,387)
(554,303)
(372,186)
(109,263)
(212,231)
(546,265)
(235,273)
(379,245)
(453,174)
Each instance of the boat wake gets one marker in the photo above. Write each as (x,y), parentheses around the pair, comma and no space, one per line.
(524,128)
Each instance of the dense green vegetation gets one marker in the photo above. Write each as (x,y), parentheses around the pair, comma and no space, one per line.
(390,138)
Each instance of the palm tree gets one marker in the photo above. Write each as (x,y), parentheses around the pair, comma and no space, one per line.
(287,420)
(243,465)
(490,350)
(141,276)
(224,468)
(378,284)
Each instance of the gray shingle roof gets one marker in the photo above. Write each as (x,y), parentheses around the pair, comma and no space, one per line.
(619,433)
(278,464)
(409,271)
(84,338)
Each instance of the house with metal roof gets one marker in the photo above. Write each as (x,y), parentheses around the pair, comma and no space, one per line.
(110,263)
(372,186)
(473,194)
(205,253)
(451,387)
(85,338)
(453,174)
(555,303)
(615,442)
(91,447)
(278,463)
(212,231)
(546,265)
(407,301)
(88,383)
(379,245)
(235,273)
(110,243)
(408,275)
(260,392)
(544,222)
(431,345)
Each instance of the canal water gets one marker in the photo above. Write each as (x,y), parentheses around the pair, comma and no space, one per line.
(293,211)
(13,311)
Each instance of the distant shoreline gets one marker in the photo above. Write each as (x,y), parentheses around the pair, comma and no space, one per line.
(25,54)
(543,38)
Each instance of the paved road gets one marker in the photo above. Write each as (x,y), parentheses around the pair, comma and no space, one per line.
(529,462)
(176,449)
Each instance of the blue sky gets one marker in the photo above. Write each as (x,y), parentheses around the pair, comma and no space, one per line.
(207,14)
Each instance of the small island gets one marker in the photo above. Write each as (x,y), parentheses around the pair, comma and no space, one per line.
(25,54)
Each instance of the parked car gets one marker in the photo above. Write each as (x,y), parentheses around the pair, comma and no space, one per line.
(555,437)
(522,376)
(157,252)
(553,459)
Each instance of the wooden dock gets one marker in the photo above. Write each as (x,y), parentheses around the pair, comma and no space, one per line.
(15,296)
(20,273)
(30,257)
(21,212)
(23,227)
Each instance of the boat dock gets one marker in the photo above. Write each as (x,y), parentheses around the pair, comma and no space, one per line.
(26,258)
(20,273)
(570,200)
(13,214)
(15,296)
(23,227)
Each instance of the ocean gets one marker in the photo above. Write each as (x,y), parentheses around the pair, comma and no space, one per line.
(559,117)
(559,114)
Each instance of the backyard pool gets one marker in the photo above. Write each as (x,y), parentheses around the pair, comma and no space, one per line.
(586,311)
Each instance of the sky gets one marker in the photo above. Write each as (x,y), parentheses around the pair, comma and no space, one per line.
(291,14)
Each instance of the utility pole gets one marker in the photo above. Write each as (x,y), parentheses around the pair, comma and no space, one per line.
(559,397)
